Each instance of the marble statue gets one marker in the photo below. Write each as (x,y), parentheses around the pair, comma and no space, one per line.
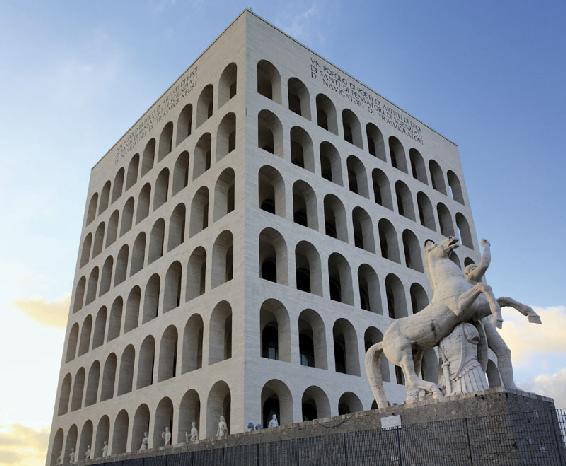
(60,459)
(105,449)
(87,453)
(457,297)
(273,422)
(194,432)
(144,442)
(72,456)
(166,436)
(222,431)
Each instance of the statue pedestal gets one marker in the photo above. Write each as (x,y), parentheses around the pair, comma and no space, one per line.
(495,427)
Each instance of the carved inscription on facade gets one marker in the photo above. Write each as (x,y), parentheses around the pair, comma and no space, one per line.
(182,87)
(358,95)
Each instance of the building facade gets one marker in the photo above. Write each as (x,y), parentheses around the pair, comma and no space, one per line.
(244,243)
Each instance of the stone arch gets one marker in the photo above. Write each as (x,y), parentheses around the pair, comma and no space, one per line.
(98,239)
(302,153)
(397,154)
(72,341)
(396,302)
(132,173)
(148,157)
(269,133)
(112,232)
(86,332)
(57,447)
(218,404)
(298,98)
(106,276)
(173,285)
(79,294)
(138,254)
(64,395)
(192,344)
(372,336)
(275,331)
(146,362)
(176,227)
(349,403)
(426,213)
(272,256)
(436,176)
(202,156)
(419,298)
(144,197)
(127,216)
(346,358)
(161,189)
(132,309)
(330,163)
(228,84)
(340,279)
(93,381)
(163,419)
(363,230)
(92,286)
(92,206)
(335,218)
(220,333)
(352,128)
(455,187)
(185,123)
(140,426)
(126,375)
(304,205)
(388,241)
(222,259)
(326,114)
(308,272)
(167,354)
(312,340)
(156,240)
(199,211)
(418,168)
(99,334)
(108,377)
(368,286)
(315,404)
(276,399)
(85,251)
(412,251)
(196,273)
(404,200)
(205,105)
(189,412)
(104,197)
(78,389)
(151,298)
(120,433)
(376,146)
(464,230)
(226,136)
(268,81)
(71,443)
(444,220)
(102,435)
(181,173)
(357,176)
(224,194)
(381,189)
(115,322)
(165,141)
(271,191)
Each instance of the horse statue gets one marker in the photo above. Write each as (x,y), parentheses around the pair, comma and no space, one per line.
(457,297)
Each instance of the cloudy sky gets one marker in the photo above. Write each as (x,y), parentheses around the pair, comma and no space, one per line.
(74,75)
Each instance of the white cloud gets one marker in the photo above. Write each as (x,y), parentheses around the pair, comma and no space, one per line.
(22,445)
(50,313)
(551,385)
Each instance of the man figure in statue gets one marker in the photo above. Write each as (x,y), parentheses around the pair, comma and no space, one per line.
(273,422)
(166,436)
(144,442)
(87,453)
(222,431)
(105,449)
(194,432)
(72,456)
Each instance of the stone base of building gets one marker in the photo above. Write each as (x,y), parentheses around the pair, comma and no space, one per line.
(495,427)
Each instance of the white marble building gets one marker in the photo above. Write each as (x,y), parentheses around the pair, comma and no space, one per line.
(244,243)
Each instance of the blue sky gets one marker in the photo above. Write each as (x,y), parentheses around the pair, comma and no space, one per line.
(75,75)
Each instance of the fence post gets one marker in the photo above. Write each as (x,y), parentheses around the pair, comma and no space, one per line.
(468,440)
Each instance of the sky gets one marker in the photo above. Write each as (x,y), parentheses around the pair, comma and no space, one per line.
(75,75)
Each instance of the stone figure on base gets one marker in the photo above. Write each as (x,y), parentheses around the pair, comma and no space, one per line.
(72,456)
(105,449)
(166,436)
(60,459)
(273,422)
(144,442)
(222,431)
(193,435)
(87,453)
(457,297)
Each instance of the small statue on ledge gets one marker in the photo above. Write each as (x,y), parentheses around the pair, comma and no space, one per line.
(273,422)
(222,431)
(105,451)
(144,442)
(166,436)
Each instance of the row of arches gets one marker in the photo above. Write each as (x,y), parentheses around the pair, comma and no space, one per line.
(166,186)
(269,85)
(203,110)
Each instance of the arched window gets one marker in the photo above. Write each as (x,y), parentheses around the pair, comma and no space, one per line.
(165,141)
(79,294)
(352,128)
(304,205)
(118,184)
(444,220)
(192,344)
(418,168)
(464,231)
(151,299)
(102,435)
(275,331)
(419,298)
(330,163)
(138,254)
(148,157)
(133,169)
(161,189)
(98,240)
(357,177)
(189,412)
(112,233)
(92,384)
(335,218)
(120,434)
(140,427)
(302,153)
(99,328)
(314,404)
(298,98)
(86,439)
(397,154)
(85,251)
(269,133)
(220,337)
(202,155)
(226,136)
(181,172)
(172,290)
(388,241)
(86,331)
(196,273)
(143,203)
(345,348)
(412,251)
(349,403)
(363,230)
(156,238)
(308,275)
(376,146)
(455,187)
(271,191)
(205,105)
(199,211)
(368,286)
(268,81)
(228,84)
(218,404)
(176,227)
(312,340)
(126,376)
(326,114)
(276,399)
(396,303)
(436,176)
(115,323)
(92,205)
(168,354)
(224,194)
(145,362)
(272,256)
(57,447)
(426,213)
(340,279)
(106,275)
(92,286)
(381,189)
(72,341)
(222,259)
(132,309)
(127,216)
(64,395)
(108,378)
(404,200)
(163,420)
(185,123)
(104,197)
(71,441)
(372,336)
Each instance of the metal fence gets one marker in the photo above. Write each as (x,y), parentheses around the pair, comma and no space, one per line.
(527,438)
